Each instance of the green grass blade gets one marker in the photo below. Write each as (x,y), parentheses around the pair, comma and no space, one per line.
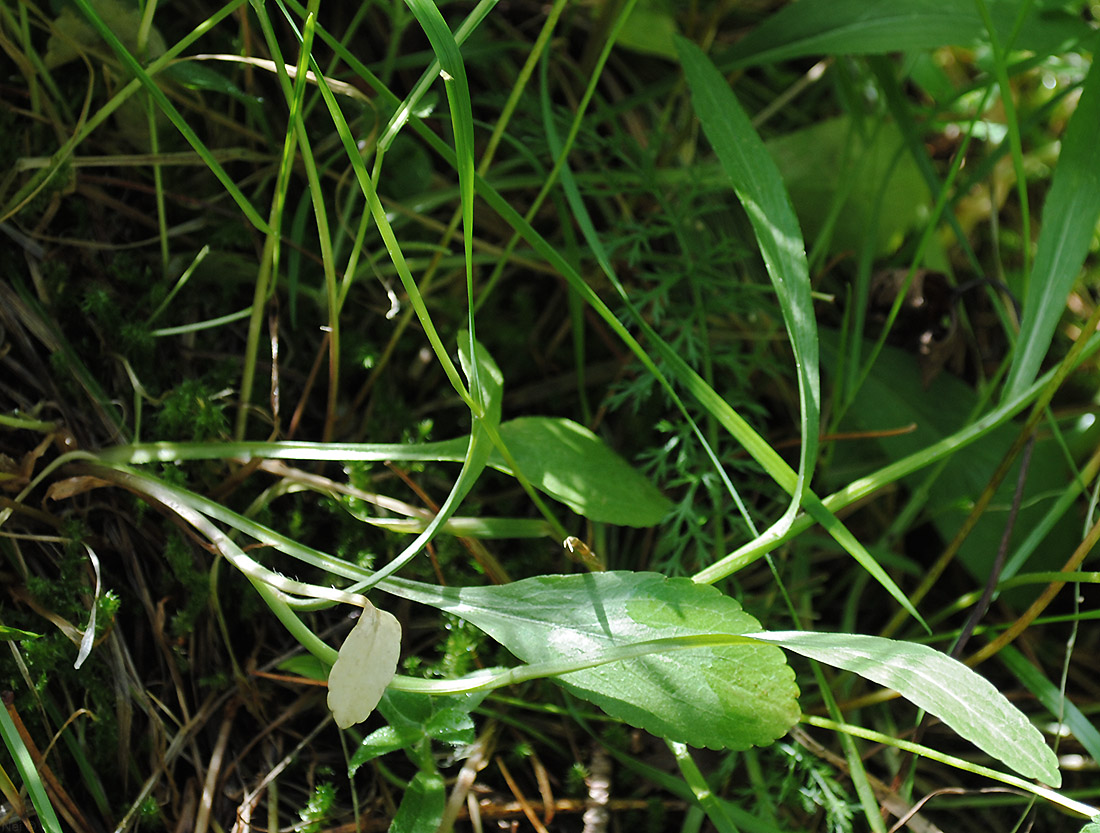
(1054,699)
(169,109)
(385,230)
(25,764)
(1070,214)
(759,186)
(453,72)
(814,27)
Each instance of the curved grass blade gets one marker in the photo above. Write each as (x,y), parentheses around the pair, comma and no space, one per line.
(1070,214)
(814,27)
(759,186)
(462,119)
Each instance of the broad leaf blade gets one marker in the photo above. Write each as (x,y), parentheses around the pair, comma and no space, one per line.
(940,685)
(1069,221)
(422,807)
(570,463)
(731,696)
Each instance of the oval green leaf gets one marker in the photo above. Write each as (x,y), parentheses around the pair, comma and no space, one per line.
(573,465)
(728,696)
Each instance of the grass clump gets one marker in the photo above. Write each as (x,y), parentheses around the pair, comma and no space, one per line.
(653,387)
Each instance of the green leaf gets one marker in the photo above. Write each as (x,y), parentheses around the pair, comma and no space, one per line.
(1069,221)
(731,696)
(490,388)
(650,29)
(197,76)
(570,463)
(381,742)
(72,36)
(819,162)
(8,634)
(831,27)
(422,807)
(940,685)
(759,187)
(305,665)
(1093,826)
(451,725)
(414,717)
(894,395)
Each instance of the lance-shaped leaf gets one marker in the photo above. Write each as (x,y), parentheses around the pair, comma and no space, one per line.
(940,685)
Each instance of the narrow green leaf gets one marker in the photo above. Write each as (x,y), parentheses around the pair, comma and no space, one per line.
(166,106)
(731,696)
(453,72)
(464,527)
(563,459)
(381,742)
(9,634)
(29,772)
(940,685)
(819,164)
(759,186)
(833,27)
(1070,214)
(1055,700)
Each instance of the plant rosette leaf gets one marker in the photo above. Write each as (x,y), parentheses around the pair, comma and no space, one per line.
(364,666)
(725,696)
(940,685)
(571,464)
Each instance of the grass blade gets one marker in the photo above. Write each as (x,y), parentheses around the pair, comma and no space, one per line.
(814,27)
(462,118)
(759,187)
(25,764)
(1069,220)
(173,114)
